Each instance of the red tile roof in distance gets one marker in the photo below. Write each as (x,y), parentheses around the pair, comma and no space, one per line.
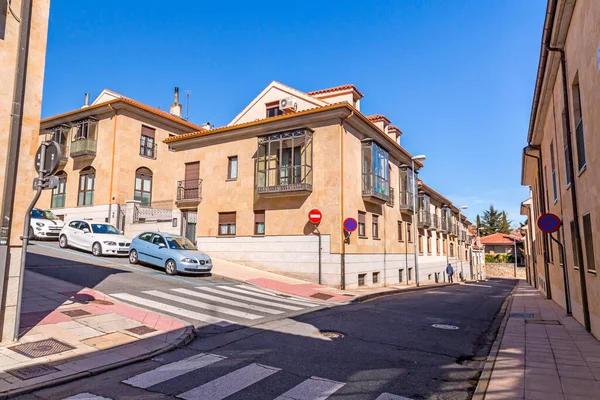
(379,117)
(336,89)
(498,238)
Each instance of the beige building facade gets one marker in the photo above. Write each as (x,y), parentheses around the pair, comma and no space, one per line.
(12,228)
(562,161)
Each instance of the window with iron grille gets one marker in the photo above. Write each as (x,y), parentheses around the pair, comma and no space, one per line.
(375,277)
(227,224)
(361,224)
(589,242)
(578,117)
(361,279)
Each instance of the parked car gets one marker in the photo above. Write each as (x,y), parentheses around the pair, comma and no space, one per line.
(44,224)
(172,252)
(97,237)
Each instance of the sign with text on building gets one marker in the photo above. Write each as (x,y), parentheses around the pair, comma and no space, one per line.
(315,216)
(549,223)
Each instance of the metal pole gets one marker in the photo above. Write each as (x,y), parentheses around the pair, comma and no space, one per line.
(515,255)
(462,274)
(415,223)
(319,232)
(565,275)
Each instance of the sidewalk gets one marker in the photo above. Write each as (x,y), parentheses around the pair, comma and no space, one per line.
(297,287)
(547,355)
(69,332)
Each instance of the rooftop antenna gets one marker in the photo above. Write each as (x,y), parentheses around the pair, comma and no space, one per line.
(188,93)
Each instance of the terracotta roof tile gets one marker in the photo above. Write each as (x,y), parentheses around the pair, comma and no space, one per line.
(499,238)
(379,117)
(335,89)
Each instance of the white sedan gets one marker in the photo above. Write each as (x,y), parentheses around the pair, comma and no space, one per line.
(97,237)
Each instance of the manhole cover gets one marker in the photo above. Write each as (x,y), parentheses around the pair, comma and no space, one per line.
(445,326)
(102,302)
(521,315)
(321,296)
(332,334)
(542,321)
(76,313)
(141,330)
(32,371)
(42,348)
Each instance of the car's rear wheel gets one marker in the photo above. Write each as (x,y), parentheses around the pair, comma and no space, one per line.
(97,249)
(63,242)
(171,267)
(133,257)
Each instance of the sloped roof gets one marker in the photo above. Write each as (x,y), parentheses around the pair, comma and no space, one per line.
(336,89)
(499,238)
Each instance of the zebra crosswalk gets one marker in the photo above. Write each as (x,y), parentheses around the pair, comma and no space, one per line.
(218,305)
(241,382)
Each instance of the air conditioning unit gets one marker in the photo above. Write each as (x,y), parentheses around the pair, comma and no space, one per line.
(288,104)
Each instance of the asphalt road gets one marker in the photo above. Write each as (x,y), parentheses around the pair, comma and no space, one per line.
(389,350)
(204,301)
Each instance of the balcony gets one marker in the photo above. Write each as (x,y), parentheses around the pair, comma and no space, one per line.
(84,148)
(435,222)
(446,225)
(375,189)
(424,219)
(285,181)
(406,201)
(390,203)
(189,193)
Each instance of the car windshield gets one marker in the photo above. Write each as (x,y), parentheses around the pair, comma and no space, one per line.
(43,214)
(107,229)
(180,243)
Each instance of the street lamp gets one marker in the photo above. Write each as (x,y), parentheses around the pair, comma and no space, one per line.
(462,274)
(420,157)
(481,255)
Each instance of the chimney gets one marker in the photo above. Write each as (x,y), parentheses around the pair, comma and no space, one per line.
(176,107)
(86,100)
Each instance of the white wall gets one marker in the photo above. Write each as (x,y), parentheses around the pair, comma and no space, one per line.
(93,213)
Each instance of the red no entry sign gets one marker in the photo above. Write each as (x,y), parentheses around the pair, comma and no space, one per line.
(315,216)
(548,223)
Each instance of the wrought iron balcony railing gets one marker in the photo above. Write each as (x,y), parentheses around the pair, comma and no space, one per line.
(189,190)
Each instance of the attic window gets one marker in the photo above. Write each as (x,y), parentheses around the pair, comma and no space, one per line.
(273,109)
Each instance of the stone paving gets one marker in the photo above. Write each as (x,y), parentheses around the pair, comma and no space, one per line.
(93,328)
(550,356)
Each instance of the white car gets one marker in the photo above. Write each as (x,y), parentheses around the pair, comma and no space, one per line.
(97,237)
(44,224)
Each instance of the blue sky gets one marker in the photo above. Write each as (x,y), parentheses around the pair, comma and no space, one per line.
(456,76)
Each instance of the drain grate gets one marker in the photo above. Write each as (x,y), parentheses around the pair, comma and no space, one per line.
(32,371)
(141,330)
(332,334)
(521,315)
(321,296)
(543,321)
(102,302)
(42,348)
(76,313)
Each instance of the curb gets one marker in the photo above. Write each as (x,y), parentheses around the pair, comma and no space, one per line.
(371,296)
(484,379)
(184,339)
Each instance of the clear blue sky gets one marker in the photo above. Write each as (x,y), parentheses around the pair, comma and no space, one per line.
(455,76)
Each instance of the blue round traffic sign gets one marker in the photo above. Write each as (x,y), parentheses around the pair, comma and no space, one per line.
(548,223)
(350,224)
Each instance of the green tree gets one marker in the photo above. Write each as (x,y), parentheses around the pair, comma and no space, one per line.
(504,226)
(490,221)
(478,221)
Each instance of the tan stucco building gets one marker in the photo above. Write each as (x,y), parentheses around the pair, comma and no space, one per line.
(12,226)
(562,162)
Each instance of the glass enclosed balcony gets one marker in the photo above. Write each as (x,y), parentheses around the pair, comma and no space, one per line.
(375,174)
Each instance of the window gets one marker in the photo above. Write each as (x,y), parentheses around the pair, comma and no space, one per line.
(85,130)
(375,277)
(451,249)
(589,242)
(428,243)
(375,172)
(400,232)
(409,232)
(147,144)
(566,150)
(361,279)
(437,245)
(87,179)
(574,246)
(577,113)
(401,275)
(259,222)
(410,274)
(273,109)
(145,236)
(420,244)
(59,193)
(361,224)
(375,226)
(232,168)
(143,186)
(227,224)
(547,186)
(443,246)
(158,240)
(74,224)
(554,189)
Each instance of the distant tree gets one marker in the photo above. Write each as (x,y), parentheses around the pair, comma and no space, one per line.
(504,226)
(493,221)
(478,221)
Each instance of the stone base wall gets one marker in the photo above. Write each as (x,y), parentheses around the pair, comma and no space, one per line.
(504,270)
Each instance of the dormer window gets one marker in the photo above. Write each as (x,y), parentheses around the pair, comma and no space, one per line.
(273,109)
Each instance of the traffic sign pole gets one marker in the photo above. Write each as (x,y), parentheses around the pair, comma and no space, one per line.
(315,217)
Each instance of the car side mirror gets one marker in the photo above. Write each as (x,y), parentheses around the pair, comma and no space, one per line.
(86,230)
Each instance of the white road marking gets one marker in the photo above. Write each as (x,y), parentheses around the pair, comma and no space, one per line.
(226,301)
(250,299)
(86,396)
(172,370)
(206,306)
(476,284)
(314,388)
(283,300)
(255,289)
(388,396)
(174,310)
(231,383)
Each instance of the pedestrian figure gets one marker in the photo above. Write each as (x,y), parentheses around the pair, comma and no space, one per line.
(450,272)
